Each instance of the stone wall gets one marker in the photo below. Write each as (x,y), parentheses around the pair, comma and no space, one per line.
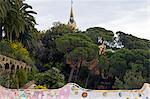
(7,63)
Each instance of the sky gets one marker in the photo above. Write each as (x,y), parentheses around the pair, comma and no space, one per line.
(129,16)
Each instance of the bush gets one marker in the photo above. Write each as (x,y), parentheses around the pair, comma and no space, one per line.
(15,50)
(40,87)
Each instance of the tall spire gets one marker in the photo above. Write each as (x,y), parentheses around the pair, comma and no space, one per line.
(72,22)
(71,13)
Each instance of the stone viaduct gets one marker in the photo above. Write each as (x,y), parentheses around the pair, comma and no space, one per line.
(10,64)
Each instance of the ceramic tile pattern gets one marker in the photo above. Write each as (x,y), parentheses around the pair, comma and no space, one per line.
(73,91)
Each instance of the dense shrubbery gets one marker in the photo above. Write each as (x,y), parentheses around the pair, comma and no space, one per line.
(15,50)
(132,42)
(51,78)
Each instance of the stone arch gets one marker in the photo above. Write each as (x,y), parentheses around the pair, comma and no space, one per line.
(6,59)
(29,69)
(21,67)
(10,62)
(6,66)
(3,59)
(25,68)
(13,67)
(17,66)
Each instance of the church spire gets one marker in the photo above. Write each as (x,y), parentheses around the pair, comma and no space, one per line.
(72,22)
(71,13)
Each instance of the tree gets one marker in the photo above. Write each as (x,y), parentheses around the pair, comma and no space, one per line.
(13,80)
(21,77)
(51,78)
(104,66)
(30,33)
(4,8)
(132,42)
(13,23)
(50,52)
(16,19)
(77,49)
(30,39)
(118,65)
(92,69)
(5,78)
(118,84)
(133,78)
(76,58)
(96,32)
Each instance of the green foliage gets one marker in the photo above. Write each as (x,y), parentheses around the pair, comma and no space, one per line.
(69,42)
(59,29)
(31,74)
(118,64)
(56,31)
(14,80)
(96,32)
(50,52)
(15,50)
(78,48)
(4,78)
(118,84)
(16,18)
(30,39)
(103,65)
(53,64)
(83,53)
(104,62)
(51,78)
(132,42)
(4,7)
(133,78)
(21,76)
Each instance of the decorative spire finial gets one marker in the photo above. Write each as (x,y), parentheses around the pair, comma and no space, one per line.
(72,22)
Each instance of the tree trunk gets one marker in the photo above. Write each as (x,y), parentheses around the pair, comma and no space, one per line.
(78,69)
(76,75)
(87,80)
(71,74)
(17,82)
(103,75)
(10,36)
(1,32)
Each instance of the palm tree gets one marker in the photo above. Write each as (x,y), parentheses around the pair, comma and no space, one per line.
(4,8)
(13,22)
(18,19)
(29,24)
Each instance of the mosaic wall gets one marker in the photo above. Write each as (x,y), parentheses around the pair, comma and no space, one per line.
(73,91)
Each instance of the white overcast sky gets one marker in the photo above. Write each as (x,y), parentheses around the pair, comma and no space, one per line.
(129,16)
